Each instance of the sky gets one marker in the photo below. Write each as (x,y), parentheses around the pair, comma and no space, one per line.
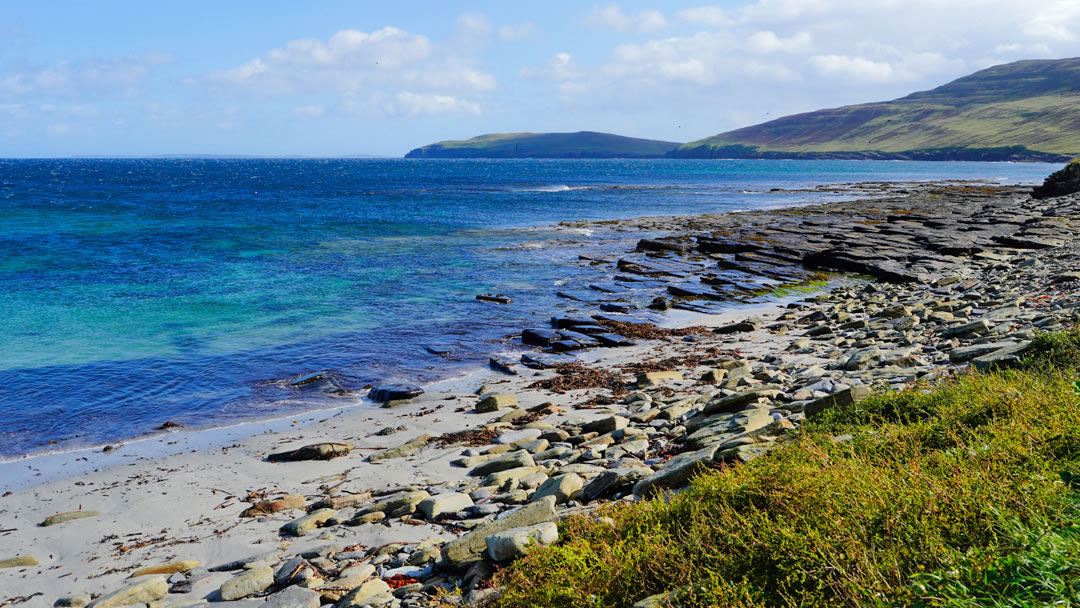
(357,77)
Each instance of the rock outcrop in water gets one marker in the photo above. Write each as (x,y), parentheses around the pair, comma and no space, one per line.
(1060,183)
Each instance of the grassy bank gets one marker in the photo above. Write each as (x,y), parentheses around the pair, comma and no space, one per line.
(964,494)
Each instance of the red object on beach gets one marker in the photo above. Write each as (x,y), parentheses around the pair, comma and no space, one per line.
(400,580)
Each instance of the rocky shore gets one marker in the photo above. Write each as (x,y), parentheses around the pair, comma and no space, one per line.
(415,504)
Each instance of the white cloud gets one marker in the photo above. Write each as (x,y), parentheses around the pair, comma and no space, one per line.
(473,29)
(769,42)
(120,77)
(520,31)
(707,15)
(854,68)
(612,16)
(416,104)
(560,67)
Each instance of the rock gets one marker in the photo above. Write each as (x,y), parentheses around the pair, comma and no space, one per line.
(654,378)
(1003,357)
(294,597)
(660,600)
(406,500)
(539,337)
(714,376)
(967,353)
(277,505)
(406,449)
(613,480)
(863,358)
(294,571)
(840,398)
(372,593)
(973,329)
(268,556)
(517,542)
(142,592)
(494,402)
(169,568)
(1066,277)
(518,436)
(562,487)
(307,523)
(513,460)
(395,392)
(735,328)
(500,477)
(1060,183)
(738,401)
(605,425)
(72,601)
(60,518)
(471,547)
(315,451)
(676,472)
(247,583)
(315,382)
(439,505)
(20,561)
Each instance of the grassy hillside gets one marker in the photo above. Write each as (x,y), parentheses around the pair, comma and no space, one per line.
(1023,110)
(583,144)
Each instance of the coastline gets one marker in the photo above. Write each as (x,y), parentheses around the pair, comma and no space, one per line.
(137,493)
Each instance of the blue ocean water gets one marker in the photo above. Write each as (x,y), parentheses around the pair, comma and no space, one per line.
(134,292)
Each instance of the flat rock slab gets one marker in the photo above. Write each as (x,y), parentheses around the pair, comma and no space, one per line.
(60,518)
(142,592)
(395,392)
(315,451)
(471,547)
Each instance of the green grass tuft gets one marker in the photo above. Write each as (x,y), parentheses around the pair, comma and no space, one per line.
(964,494)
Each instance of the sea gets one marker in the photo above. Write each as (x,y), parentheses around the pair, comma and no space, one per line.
(136,292)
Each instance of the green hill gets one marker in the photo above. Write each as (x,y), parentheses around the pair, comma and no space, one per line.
(1028,110)
(583,144)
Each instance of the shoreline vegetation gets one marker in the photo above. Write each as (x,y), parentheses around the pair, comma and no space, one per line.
(1011,112)
(907,438)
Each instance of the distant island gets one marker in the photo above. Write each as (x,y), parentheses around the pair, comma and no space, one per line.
(1022,111)
(583,144)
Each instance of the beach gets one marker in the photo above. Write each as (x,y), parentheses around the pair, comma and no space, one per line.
(835,301)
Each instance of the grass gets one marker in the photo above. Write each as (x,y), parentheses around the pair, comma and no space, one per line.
(962,494)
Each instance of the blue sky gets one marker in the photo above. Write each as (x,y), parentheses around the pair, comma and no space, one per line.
(357,77)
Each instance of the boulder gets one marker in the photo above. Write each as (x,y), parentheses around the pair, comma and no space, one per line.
(395,392)
(517,542)
(605,425)
(60,518)
(513,460)
(436,506)
(307,523)
(142,592)
(183,565)
(315,451)
(247,583)
(374,593)
(406,449)
(494,402)
(654,378)
(471,546)
(293,597)
(562,487)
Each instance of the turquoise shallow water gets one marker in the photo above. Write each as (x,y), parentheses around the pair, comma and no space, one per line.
(138,291)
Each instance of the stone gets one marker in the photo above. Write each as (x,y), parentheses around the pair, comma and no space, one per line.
(294,597)
(513,460)
(439,505)
(407,499)
(498,478)
(714,376)
(562,487)
(316,451)
(517,542)
(143,592)
(863,358)
(518,436)
(654,378)
(395,392)
(307,523)
(60,518)
(676,472)
(613,480)
(294,571)
(1060,183)
(268,556)
(495,401)
(840,398)
(471,546)
(967,353)
(1003,357)
(973,329)
(20,561)
(72,601)
(247,583)
(739,400)
(374,592)
(735,328)
(605,425)
(406,449)
(184,565)
(277,505)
